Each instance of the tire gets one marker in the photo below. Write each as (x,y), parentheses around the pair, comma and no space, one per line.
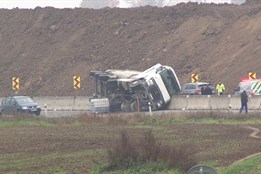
(2,112)
(17,112)
(37,113)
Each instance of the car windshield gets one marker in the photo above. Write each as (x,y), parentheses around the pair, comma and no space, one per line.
(204,84)
(24,100)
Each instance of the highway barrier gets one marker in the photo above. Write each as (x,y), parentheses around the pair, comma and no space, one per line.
(65,103)
(212,102)
(180,102)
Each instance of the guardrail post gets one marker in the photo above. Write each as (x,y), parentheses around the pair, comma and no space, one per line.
(54,107)
(209,106)
(74,98)
(45,109)
(187,96)
(150,108)
(229,102)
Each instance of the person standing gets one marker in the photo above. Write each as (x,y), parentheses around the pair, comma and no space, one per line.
(244,100)
(208,90)
(220,88)
(203,88)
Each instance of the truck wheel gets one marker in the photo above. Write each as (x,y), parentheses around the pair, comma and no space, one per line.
(37,113)
(125,107)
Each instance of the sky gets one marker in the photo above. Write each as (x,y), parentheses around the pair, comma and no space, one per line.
(72,3)
(9,4)
(42,3)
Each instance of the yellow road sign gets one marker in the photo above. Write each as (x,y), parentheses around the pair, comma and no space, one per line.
(251,75)
(15,83)
(194,78)
(76,82)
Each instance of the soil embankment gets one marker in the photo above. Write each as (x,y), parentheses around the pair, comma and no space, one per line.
(46,47)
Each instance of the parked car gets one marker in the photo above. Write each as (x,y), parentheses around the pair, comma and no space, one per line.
(195,88)
(19,104)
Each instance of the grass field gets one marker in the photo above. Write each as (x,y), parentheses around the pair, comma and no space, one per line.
(81,144)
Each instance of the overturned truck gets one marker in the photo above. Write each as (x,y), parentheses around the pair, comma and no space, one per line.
(132,91)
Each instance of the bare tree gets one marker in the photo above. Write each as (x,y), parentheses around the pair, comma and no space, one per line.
(137,3)
(96,4)
(131,3)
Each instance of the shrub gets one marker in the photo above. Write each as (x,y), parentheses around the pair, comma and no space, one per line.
(123,153)
(128,153)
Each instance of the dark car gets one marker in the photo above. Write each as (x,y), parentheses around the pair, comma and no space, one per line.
(18,105)
(195,88)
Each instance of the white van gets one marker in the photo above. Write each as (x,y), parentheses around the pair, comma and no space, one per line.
(252,87)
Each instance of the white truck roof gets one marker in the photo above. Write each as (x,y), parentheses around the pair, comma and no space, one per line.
(123,74)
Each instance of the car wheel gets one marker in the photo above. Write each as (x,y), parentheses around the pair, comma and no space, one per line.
(17,112)
(37,112)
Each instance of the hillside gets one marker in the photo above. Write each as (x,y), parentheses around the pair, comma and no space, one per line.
(46,47)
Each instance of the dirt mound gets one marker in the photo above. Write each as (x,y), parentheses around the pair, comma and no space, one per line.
(46,47)
(253,2)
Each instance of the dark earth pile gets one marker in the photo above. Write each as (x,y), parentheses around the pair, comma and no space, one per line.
(46,47)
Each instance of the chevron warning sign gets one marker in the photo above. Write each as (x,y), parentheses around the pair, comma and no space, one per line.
(251,75)
(15,83)
(194,78)
(76,82)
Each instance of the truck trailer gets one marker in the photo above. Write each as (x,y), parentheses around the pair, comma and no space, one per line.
(134,91)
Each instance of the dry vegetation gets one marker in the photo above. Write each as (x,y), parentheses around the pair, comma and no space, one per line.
(77,145)
(137,151)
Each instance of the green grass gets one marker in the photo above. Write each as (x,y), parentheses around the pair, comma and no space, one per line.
(24,123)
(26,163)
(146,124)
(249,166)
(147,168)
(217,121)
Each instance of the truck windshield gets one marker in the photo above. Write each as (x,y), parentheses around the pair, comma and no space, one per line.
(154,92)
(170,82)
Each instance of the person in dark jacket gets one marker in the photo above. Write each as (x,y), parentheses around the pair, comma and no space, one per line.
(244,100)
(208,90)
(203,88)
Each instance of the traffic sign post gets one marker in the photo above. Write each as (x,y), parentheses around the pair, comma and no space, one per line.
(76,85)
(194,78)
(15,83)
(251,75)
